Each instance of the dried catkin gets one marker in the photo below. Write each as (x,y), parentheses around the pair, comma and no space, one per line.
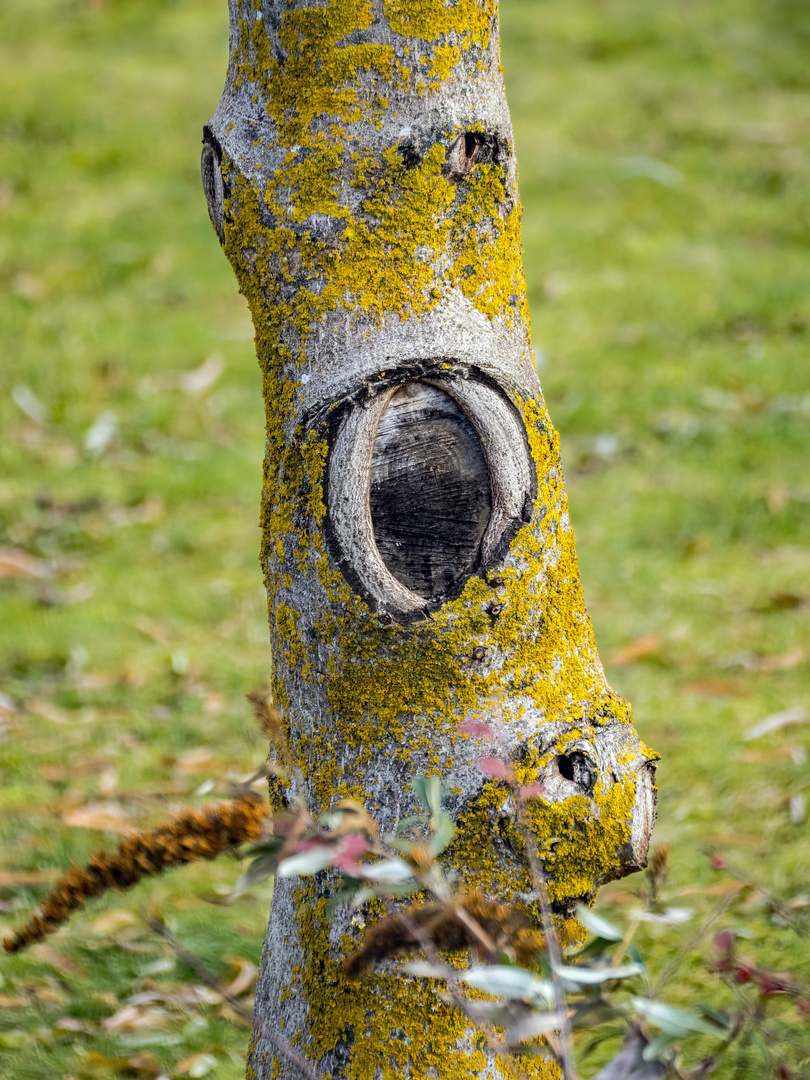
(192,835)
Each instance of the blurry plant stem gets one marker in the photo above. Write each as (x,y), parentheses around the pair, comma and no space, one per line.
(624,945)
(565,1042)
(283,1046)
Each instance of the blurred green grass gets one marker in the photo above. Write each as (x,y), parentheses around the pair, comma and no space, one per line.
(666,183)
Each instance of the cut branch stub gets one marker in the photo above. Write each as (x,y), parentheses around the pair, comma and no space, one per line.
(417,549)
(427,482)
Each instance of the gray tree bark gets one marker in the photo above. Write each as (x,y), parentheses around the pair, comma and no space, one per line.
(419,559)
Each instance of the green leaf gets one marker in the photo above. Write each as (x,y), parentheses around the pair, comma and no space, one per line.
(270,846)
(598,925)
(412,819)
(260,869)
(585,976)
(445,831)
(677,1022)
(720,1016)
(506,981)
(653,1051)
(428,790)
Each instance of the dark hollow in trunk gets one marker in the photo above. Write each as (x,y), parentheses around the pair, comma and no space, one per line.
(430,492)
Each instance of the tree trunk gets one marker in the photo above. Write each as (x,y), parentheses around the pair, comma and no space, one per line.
(419,559)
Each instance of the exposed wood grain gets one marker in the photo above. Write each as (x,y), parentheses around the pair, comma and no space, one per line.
(430,492)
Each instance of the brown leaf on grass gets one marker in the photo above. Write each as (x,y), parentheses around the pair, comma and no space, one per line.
(642,648)
(79,766)
(16,563)
(13,879)
(245,978)
(47,989)
(8,1002)
(777,498)
(195,761)
(201,762)
(785,718)
(783,662)
(39,706)
(104,816)
(46,954)
(793,751)
(94,1064)
(112,922)
(197,1065)
(152,629)
(136,1017)
(714,688)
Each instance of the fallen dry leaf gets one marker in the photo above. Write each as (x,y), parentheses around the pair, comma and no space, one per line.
(197,1065)
(47,989)
(797,715)
(13,879)
(783,662)
(245,978)
(152,629)
(17,563)
(46,954)
(777,498)
(135,1018)
(111,922)
(108,781)
(714,688)
(94,1064)
(200,379)
(720,888)
(640,649)
(785,601)
(194,761)
(104,816)
(43,707)
(796,753)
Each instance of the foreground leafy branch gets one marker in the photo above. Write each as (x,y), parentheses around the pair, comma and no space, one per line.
(533,984)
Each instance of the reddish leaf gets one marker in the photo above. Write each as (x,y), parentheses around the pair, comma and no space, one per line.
(494,767)
(477,729)
(532,791)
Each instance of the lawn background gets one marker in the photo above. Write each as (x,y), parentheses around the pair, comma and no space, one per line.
(665,176)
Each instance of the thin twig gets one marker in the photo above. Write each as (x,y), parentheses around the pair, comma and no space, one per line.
(477,931)
(196,965)
(281,1044)
(565,1041)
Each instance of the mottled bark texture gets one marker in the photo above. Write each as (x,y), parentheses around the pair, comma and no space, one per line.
(419,559)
